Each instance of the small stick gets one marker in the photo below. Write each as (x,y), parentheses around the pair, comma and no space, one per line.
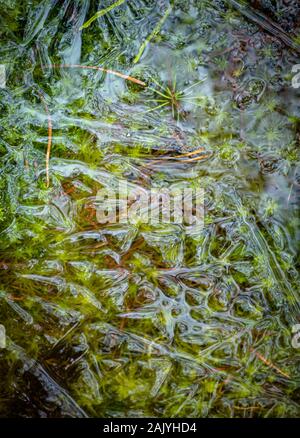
(270,364)
(106,70)
(196,158)
(14,298)
(177,158)
(193,152)
(183,155)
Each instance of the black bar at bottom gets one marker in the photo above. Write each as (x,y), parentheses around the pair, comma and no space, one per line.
(149,426)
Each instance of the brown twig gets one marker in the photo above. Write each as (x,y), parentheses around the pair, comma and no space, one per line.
(270,364)
(106,70)
(179,158)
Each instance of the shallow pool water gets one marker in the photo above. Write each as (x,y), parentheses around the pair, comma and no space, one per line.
(135,319)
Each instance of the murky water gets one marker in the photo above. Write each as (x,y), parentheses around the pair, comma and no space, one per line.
(139,319)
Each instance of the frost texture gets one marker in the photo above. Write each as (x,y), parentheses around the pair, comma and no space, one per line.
(140,320)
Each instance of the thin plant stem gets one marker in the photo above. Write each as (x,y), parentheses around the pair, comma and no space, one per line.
(101,13)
